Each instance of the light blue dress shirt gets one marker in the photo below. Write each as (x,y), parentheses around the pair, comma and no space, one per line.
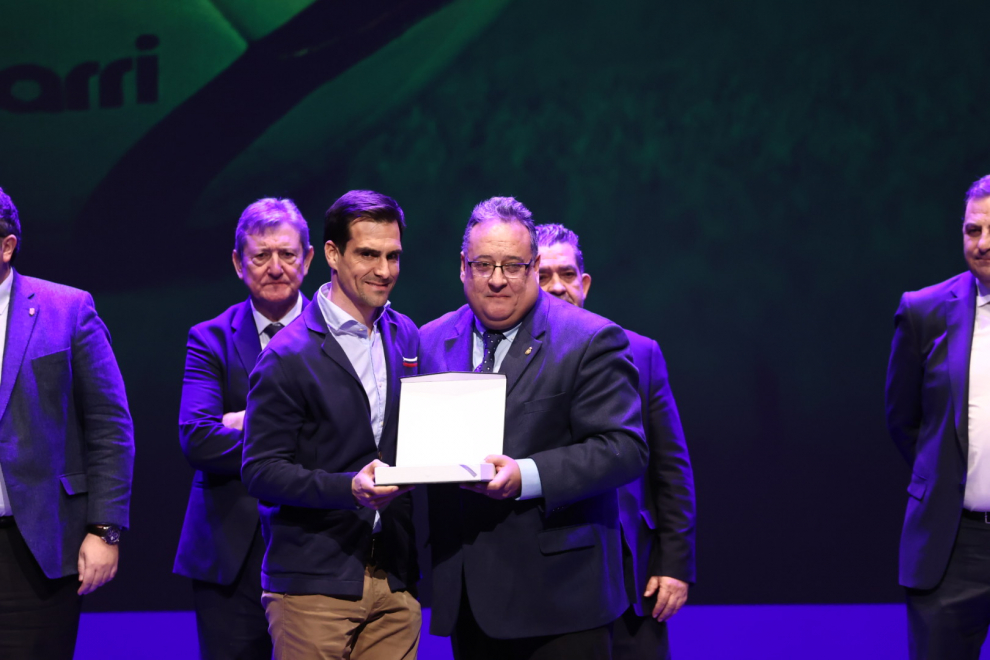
(529,474)
(365,352)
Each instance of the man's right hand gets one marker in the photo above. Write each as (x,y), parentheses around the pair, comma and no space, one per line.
(234,420)
(367,494)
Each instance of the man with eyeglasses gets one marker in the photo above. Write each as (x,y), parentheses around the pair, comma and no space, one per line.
(221,547)
(656,511)
(530,564)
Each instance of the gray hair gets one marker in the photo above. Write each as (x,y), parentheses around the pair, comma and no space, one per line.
(503,209)
(552,234)
(267,214)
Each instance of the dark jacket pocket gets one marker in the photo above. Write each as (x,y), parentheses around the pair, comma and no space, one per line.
(563,539)
(917,487)
(74,483)
(548,403)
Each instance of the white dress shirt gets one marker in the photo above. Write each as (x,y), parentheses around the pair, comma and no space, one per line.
(260,322)
(8,281)
(529,474)
(977,495)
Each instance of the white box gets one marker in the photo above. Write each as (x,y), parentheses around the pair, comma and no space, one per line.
(448,424)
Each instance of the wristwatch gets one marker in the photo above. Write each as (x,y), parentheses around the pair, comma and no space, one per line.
(109,533)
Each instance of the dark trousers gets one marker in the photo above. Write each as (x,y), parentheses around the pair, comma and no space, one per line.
(230,619)
(469,642)
(951,620)
(637,637)
(39,617)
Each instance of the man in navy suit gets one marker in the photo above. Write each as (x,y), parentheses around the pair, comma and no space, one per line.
(656,511)
(530,564)
(221,547)
(322,413)
(938,414)
(66,456)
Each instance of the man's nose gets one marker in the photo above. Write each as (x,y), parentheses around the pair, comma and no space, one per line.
(381,267)
(275,267)
(557,286)
(984,244)
(497,280)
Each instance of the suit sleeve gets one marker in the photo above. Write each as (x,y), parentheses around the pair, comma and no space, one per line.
(101,401)
(905,374)
(207,443)
(671,479)
(276,412)
(605,421)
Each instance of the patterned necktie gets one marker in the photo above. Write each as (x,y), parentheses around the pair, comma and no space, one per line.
(272,329)
(492,340)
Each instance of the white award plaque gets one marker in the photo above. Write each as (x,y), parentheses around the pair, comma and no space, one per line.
(448,423)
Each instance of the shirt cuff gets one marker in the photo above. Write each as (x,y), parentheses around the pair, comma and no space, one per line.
(532,487)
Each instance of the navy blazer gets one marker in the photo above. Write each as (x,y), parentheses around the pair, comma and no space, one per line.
(657,510)
(66,436)
(221,517)
(928,419)
(307,432)
(550,565)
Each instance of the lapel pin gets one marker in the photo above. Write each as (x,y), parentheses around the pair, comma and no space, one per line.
(528,351)
(31,311)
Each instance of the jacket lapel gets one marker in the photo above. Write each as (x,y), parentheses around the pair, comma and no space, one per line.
(313,318)
(526,345)
(22,314)
(246,339)
(459,346)
(960,313)
(388,328)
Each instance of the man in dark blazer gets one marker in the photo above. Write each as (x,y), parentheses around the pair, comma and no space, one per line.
(530,564)
(657,512)
(66,457)
(938,413)
(221,547)
(322,413)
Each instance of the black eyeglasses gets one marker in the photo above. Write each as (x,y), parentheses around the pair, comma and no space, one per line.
(512,271)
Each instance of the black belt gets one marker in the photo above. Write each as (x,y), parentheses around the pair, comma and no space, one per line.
(982,516)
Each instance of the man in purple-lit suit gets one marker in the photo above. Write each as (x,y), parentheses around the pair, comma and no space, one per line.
(938,413)
(530,564)
(66,457)
(657,511)
(221,547)
(322,413)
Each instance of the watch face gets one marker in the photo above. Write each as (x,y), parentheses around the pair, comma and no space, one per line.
(112,536)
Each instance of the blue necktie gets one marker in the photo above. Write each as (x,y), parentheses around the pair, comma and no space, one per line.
(492,340)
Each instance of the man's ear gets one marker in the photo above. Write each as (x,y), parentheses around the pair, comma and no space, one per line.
(332,254)
(236,258)
(585,283)
(463,266)
(308,259)
(8,245)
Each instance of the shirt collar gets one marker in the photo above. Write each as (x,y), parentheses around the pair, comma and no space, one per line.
(982,294)
(510,334)
(260,322)
(5,291)
(339,321)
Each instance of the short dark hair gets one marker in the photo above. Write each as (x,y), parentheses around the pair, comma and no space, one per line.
(267,214)
(503,209)
(10,222)
(363,204)
(979,189)
(552,234)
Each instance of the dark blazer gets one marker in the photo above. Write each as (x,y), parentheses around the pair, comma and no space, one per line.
(221,516)
(657,510)
(307,432)
(66,437)
(550,565)
(928,419)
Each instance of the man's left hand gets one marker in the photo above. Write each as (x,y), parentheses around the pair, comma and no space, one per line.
(97,563)
(507,483)
(671,595)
